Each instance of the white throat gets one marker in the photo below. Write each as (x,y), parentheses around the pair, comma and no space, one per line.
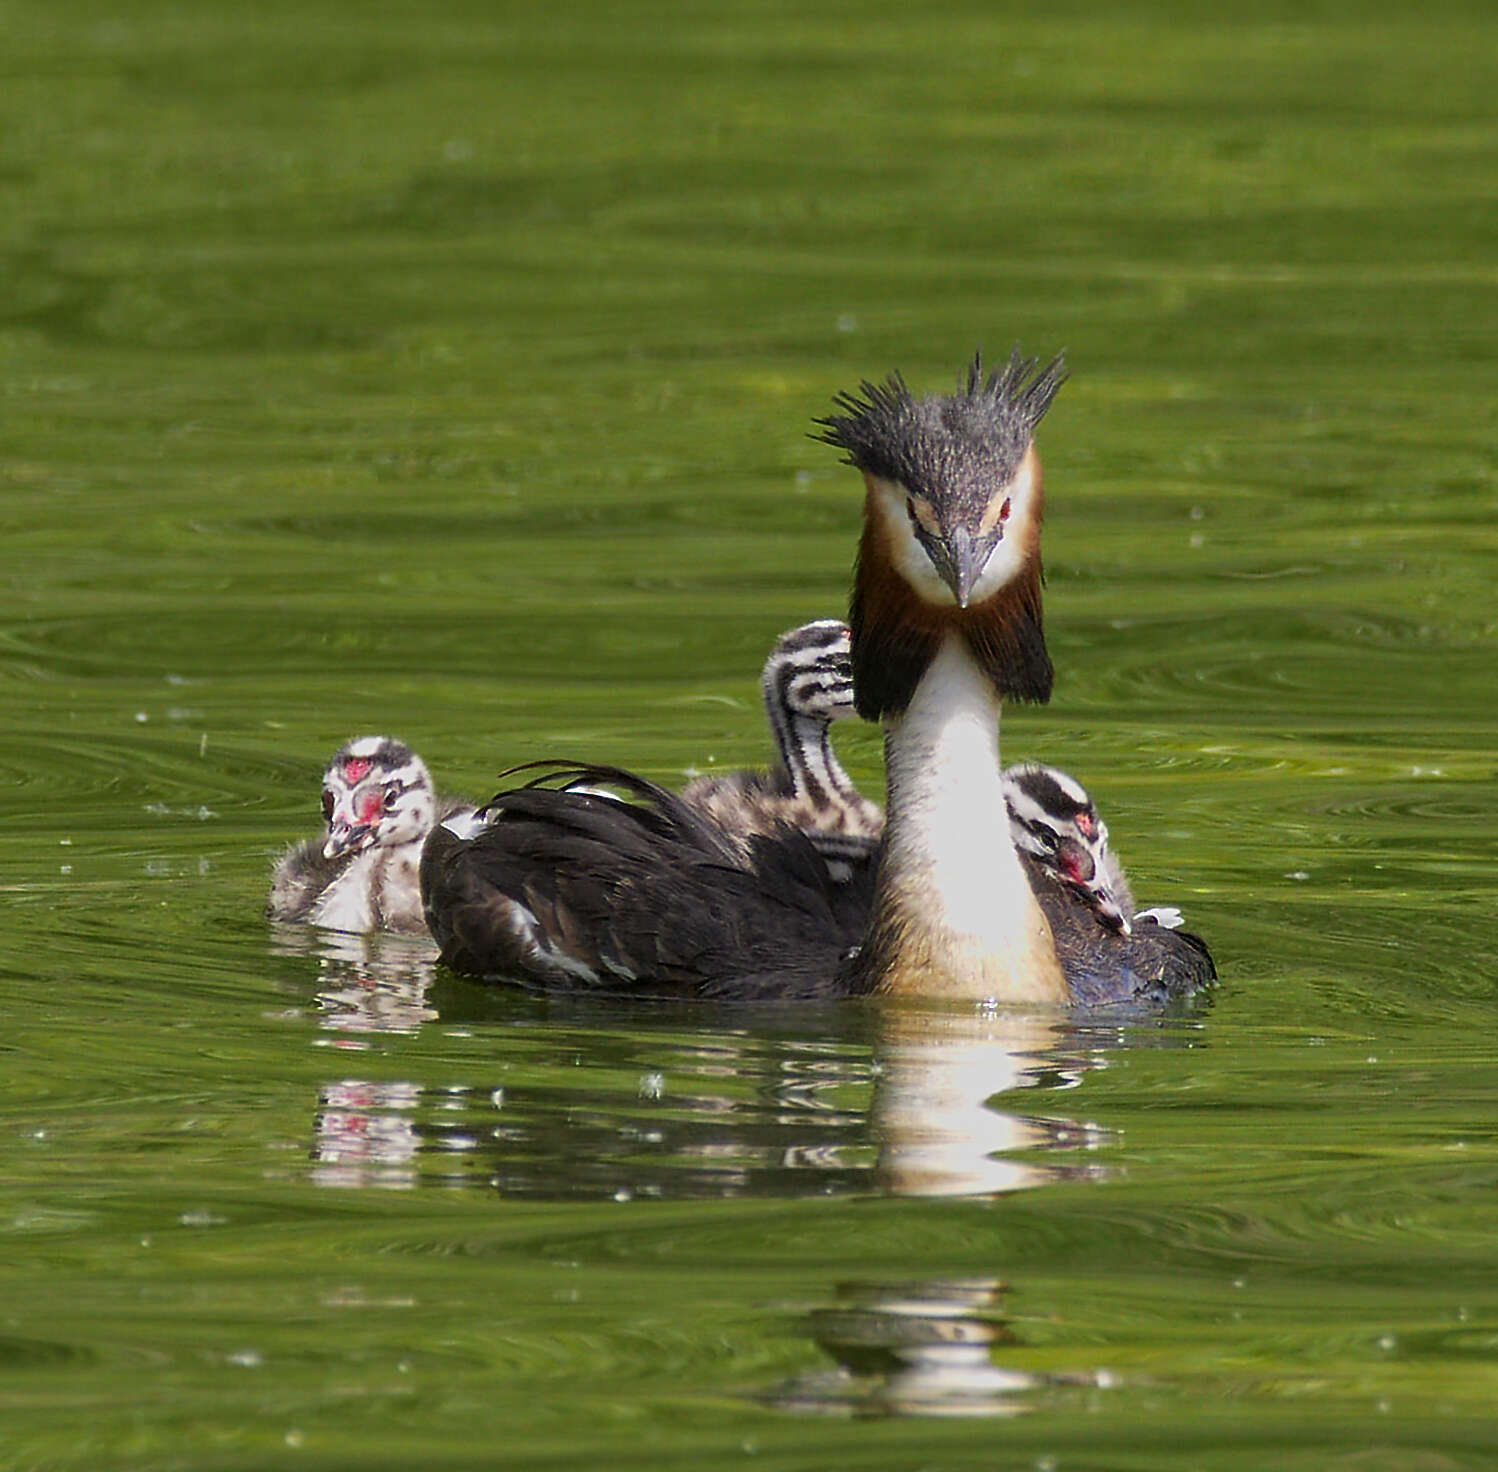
(966,920)
(379,888)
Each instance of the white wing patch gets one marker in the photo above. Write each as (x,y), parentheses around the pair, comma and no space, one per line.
(1167,917)
(466,825)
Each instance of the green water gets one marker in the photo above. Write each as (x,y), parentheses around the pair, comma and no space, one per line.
(447,370)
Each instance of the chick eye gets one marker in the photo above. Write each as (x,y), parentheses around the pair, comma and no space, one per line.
(327,803)
(1050,840)
(392,795)
(1004,510)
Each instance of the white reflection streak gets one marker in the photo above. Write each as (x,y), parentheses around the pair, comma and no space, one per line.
(939,1131)
(369,983)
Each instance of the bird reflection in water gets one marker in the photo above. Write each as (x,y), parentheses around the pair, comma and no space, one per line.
(934,1347)
(697,1104)
(933,1112)
(368,982)
(922,1348)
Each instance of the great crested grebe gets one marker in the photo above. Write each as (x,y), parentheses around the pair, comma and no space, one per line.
(379,807)
(561,887)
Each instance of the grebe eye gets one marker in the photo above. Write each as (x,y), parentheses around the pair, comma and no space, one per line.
(910,507)
(1004,510)
(327,803)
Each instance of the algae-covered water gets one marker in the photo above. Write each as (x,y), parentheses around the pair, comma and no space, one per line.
(447,370)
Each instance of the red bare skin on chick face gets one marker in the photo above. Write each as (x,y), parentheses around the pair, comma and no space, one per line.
(356,768)
(1076,863)
(368,806)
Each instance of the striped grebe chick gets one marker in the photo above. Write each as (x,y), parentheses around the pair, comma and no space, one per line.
(806,684)
(362,874)
(559,887)
(1062,839)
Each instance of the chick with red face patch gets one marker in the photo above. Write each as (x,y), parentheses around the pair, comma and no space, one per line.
(1055,823)
(378,806)
(376,791)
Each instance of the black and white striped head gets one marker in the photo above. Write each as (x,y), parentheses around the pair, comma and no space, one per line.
(809,673)
(1054,821)
(376,791)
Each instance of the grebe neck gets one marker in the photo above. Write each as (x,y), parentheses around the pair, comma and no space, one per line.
(807,763)
(955,915)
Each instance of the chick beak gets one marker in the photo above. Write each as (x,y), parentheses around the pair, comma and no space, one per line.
(345,837)
(1109,913)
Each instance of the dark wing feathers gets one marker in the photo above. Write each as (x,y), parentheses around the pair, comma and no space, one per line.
(569,888)
(1152,964)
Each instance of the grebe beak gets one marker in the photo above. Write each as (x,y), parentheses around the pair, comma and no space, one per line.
(960,558)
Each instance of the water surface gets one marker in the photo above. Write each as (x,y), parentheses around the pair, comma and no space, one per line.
(448,371)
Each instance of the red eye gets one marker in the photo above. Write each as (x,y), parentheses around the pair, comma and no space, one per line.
(327,803)
(1004,510)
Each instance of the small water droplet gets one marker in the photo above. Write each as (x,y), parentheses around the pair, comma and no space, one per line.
(202,1219)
